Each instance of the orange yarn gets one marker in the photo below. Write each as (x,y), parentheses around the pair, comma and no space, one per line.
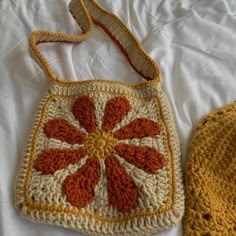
(138,128)
(83,110)
(115,110)
(51,160)
(79,187)
(60,129)
(122,191)
(145,158)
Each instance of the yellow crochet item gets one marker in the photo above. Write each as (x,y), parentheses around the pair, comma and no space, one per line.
(211,176)
(103,157)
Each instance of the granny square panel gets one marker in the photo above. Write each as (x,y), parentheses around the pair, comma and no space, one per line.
(103,157)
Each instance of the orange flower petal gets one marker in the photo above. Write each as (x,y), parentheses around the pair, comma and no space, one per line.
(116,109)
(51,160)
(147,159)
(60,129)
(79,187)
(122,191)
(83,110)
(138,128)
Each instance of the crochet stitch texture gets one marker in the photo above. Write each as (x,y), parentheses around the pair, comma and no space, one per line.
(101,144)
(103,157)
(211,176)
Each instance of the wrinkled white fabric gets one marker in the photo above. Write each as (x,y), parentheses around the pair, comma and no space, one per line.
(192,41)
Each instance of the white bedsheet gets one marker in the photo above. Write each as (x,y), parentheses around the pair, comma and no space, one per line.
(194,42)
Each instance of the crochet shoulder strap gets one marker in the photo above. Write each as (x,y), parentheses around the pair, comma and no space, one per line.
(87,12)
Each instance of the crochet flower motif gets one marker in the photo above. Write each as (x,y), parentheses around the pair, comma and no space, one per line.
(101,145)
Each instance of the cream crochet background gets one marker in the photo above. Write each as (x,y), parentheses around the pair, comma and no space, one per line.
(155,191)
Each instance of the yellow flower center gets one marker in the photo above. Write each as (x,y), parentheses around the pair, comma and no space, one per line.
(100,144)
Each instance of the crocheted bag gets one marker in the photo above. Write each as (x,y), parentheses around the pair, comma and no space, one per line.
(103,157)
(211,176)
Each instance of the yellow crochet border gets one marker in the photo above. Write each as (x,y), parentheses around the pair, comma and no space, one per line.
(42,208)
(67,83)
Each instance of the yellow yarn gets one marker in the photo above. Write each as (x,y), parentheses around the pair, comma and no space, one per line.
(211,176)
(100,144)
